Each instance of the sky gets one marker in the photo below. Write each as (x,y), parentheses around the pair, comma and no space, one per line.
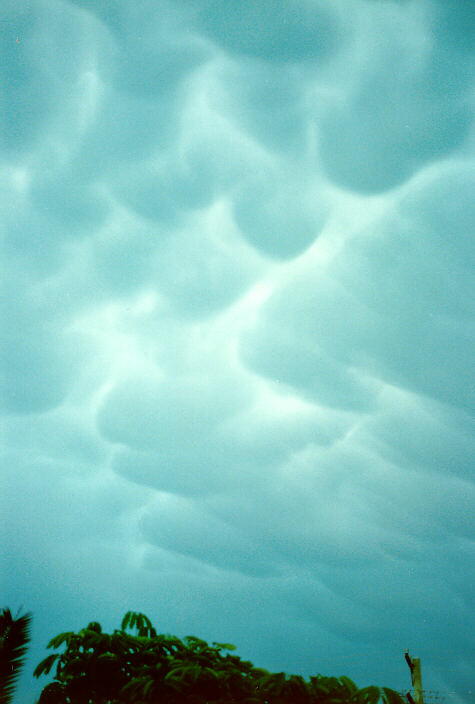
(237,331)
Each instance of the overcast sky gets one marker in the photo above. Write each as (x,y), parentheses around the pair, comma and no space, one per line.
(237,331)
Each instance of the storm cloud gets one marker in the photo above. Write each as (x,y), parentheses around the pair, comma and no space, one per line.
(237,327)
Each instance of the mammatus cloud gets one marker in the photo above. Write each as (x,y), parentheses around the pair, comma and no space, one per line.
(237,327)
(410,105)
(395,304)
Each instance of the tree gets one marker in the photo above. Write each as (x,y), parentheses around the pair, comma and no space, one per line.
(14,639)
(121,668)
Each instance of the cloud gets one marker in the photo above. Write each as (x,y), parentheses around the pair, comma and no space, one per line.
(237,326)
(295,32)
(178,525)
(168,409)
(47,92)
(426,435)
(285,348)
(75,208)
(390,307)
(222,455)
(35,376)
(280,214)
(408,108)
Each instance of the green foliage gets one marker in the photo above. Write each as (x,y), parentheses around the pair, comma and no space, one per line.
(146,667)
(139,621)
(390,696)
(14,639)
(45,665)
(369,695)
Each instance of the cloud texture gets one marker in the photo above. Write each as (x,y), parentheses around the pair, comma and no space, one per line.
(237,327)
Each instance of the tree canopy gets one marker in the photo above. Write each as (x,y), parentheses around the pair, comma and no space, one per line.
(146,667)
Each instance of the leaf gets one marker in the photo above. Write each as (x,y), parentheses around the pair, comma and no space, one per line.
(224,646)
(95,626)
(147,621)
(139,622)
(135,685)
(317,686)
(45,665)
(76,666)
(53,693)
(258,673)
(171,643)
(148,687)
(296,683)
(272,683)
(391,697)
(177,673)
(109,657)
(195,643)
(60,639)
(350,686)
(14,639)
(126,620)
(121,642)
(92,639)
(368,695)
(215,675)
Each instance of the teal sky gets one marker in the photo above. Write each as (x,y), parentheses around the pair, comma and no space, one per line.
(237,328)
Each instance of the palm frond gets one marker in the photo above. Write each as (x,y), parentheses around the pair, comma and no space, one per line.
(14,639)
